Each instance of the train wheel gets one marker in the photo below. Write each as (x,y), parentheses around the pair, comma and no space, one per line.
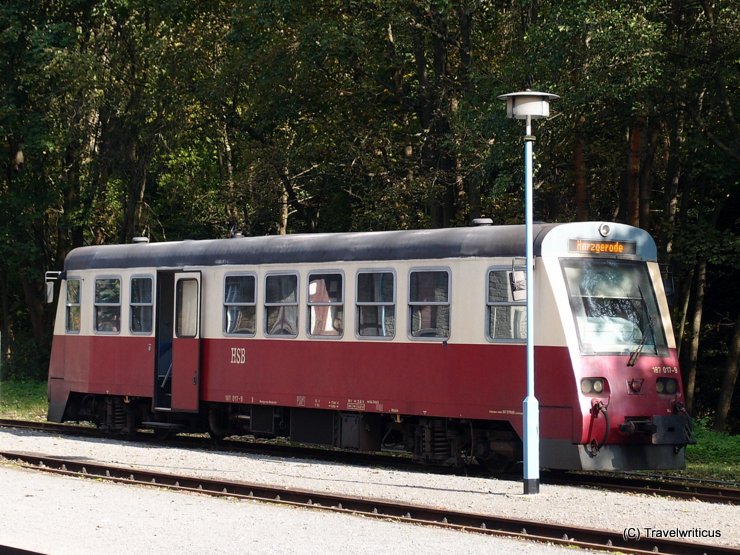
(218,424)
(216,437)
(130,430)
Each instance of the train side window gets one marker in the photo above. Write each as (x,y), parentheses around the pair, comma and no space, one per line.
(506,304)
(141,305)
(281,305)
(325,305)
(108,305)
(429,304)
(240,304)
(186,308)
(72,319)
(376,304)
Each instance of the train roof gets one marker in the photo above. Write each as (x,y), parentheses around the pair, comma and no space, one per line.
(481,241)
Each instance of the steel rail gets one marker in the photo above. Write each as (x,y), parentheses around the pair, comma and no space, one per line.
(724,494)
(559,534)
(651,486)
(243,445)
(67,429)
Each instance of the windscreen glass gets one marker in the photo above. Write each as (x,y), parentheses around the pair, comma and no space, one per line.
(614,306)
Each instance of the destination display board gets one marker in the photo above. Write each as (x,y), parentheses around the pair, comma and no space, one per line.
(602,247)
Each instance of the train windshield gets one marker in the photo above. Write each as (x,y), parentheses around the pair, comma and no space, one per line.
(614,306)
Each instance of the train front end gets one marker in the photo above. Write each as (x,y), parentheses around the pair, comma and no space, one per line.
(626,385)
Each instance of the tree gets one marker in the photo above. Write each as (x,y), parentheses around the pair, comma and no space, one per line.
(729,380)
(191,119)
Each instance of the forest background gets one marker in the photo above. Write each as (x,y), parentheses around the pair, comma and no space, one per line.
(192,119)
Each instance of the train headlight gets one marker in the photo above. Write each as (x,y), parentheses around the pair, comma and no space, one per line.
(592,386)
(587,386)
(667,386)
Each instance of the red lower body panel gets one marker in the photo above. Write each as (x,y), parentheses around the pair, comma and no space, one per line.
(427,379)
(430,379)
(481,382)
(104,364)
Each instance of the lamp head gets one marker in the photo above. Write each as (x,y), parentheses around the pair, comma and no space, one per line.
(520,105)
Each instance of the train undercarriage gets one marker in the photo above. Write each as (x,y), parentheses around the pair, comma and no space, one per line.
(429,441)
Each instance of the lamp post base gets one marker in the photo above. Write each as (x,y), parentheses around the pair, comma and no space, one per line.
(531,486)
(531,444)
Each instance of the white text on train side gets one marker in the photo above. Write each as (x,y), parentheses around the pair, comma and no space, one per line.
(238,355)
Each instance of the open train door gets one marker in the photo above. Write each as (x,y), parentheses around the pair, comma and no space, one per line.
(186,343)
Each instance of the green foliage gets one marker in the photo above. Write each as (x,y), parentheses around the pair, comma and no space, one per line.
(715,455)
(24,357)
(712,446)
(23,399)
(183,119)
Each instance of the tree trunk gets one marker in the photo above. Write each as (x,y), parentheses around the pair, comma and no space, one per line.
(465,20)
(632,193)
(728,380)
(579,171)
(135,195)
(423,108)
(683,310)
(35,307)
(435,101)
(647,165)
(692,356)
(5,317)
(673,183)
(469,187)
(284,210)
(442,164)
(69,226)
(232,211)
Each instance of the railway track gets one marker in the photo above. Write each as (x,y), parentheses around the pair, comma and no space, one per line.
(682,489)
(558,534)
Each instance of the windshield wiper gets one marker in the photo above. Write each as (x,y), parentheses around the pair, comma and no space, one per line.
(634,355)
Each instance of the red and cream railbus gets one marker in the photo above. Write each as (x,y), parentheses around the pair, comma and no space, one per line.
(412,339)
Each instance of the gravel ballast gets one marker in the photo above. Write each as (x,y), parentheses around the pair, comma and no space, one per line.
(64,515)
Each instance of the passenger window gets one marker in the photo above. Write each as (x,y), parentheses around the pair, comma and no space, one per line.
(108,305)
(186,308)
(281,305)
(429,304)
(72,320)
(376,308)
(506,304)
(141,305)
(325,305)
(239,305)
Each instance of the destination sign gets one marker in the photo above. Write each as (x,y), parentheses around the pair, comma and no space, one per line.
(602,247)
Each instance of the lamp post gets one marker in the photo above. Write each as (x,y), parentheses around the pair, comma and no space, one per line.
(529,105)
